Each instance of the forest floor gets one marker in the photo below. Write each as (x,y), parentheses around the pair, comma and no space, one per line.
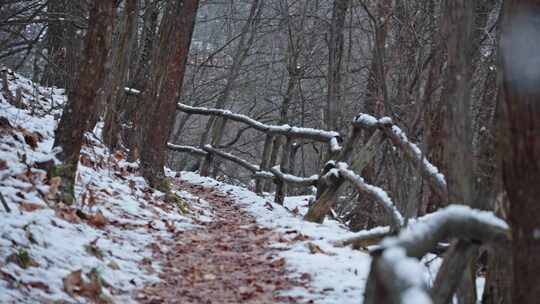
(229,258)
(124,242)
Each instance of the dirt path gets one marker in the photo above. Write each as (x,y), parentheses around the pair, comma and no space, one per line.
(228,260)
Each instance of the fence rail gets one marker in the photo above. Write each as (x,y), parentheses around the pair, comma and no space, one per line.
(346,158)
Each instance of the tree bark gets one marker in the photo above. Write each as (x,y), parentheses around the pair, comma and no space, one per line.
(80,112)
(167,74)
(457,92)
(335,54)
(521,150)
(139,80)
(120,59)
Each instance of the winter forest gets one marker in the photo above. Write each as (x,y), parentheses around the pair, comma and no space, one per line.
(270,151)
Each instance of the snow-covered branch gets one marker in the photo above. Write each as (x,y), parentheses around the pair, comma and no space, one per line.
(365,238)
(454,221)
(411,150)
(396,278)
(396,274)
(373,192)
(244,163)
(187,149)
(275,172)
(293,179)
(330,137)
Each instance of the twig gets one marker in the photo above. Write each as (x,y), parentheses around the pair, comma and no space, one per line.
(4,203)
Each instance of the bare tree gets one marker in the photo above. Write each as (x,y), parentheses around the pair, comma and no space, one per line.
(335,54)
(115,88)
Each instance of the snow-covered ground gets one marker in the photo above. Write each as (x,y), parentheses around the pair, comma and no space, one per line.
(98,248)
(338,273)
(101,247)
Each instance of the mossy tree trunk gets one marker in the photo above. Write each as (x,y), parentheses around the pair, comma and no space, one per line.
(80,113)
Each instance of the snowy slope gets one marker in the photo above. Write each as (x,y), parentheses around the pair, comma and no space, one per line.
(338,274)
(109,234)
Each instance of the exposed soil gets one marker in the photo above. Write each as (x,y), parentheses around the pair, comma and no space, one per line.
(228,260)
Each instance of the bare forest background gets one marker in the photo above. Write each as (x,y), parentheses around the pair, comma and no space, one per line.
(435,67)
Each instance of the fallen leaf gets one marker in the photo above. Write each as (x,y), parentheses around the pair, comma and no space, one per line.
(3,164)
(46,165)
(313,248)
(29,207)
(94,250)
(300,237)
(113,265)
(31,138)
(87,161)
(73,282)
(97,220)
(119,155)
(69,215)
(54,185)
(279,262)
(38,285)
(92,289)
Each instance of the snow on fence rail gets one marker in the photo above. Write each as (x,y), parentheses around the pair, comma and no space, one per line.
(331,137)
(274,173)
(394,274)
(410,150)
(336,172)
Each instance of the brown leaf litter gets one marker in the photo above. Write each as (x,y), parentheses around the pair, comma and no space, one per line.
(228,260)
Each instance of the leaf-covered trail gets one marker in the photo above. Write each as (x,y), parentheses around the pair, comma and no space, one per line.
(228,260)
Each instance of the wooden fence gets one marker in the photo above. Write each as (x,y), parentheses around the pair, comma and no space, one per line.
(346,157)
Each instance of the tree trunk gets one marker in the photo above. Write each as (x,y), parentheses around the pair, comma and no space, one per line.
(167,74)
(80,112)
(335,54)
(139,81)
(457,92)
(521,151)
(63,45)
(115,92)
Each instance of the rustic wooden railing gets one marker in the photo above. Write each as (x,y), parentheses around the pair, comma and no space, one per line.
(386,282)
(346,157)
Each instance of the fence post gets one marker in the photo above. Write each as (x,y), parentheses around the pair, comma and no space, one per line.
(265,160)
(281,187)
(276,144)
(206,164)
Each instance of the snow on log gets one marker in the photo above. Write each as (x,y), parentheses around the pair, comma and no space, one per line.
(396,278)
(454,221)
(293,179)
(254,169)
(365,238)
(244,163)
(330,137)
(411,150)
(396,274)
(187,149)
(132,91)
(373,192)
